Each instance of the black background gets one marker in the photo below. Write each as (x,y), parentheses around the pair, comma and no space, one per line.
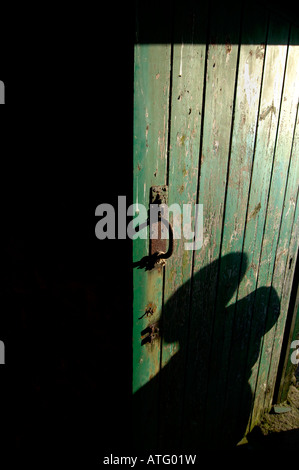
(66,297)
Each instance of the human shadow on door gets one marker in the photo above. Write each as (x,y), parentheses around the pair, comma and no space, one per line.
(201,398)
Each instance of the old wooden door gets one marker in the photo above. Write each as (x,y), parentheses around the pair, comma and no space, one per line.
(216,120)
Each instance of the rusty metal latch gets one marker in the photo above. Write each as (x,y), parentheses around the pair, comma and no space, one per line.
(158,225)
(158,242)
(150,333)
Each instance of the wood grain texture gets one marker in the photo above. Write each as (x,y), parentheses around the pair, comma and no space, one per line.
(151,106)
(272,84)
(279,178)
(250,69)
(186,109)
(218,122)
(220,79)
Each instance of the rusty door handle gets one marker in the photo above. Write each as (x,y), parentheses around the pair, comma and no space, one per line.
(158,252)
(162,254)
(158,244)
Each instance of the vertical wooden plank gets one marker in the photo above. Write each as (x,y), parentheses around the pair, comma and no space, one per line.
(151,108)
(284,303)
(271,234)
(250,70)
(287,245)
(263,159)
(282,280)
(186,109)
(150,133)
(220,85)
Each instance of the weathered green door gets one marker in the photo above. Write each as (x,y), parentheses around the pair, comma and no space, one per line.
(216,120)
